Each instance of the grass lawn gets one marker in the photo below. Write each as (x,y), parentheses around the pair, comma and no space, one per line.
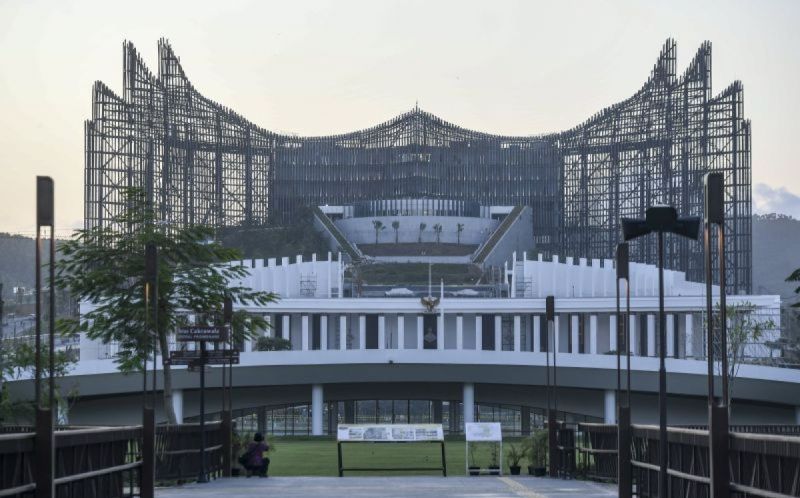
(317,457)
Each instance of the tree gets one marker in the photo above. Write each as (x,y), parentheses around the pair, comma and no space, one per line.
(379,227)
(437,228)
(272,344)
(744,329)
(422,227)
(396,226)
(104,266)
(459,229)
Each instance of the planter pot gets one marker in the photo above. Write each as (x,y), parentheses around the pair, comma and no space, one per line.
(537,471)
(514,469)
(494,470)
(474,471)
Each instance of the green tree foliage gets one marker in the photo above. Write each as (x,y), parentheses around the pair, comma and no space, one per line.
(379,227)
(396,226)
(105,266)
(276,241)
(744,328)
(437,228)
(272,344)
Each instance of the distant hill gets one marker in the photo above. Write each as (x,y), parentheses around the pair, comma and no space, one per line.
(776,253)
(16,262)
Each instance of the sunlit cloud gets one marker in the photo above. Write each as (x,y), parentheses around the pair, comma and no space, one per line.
(767,199)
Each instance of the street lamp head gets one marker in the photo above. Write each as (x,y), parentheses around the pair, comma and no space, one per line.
(622,261)
(660,218)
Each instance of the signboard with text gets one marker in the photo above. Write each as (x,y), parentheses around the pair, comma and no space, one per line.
(483,431)
(390,432)
(213,357)
(197,333)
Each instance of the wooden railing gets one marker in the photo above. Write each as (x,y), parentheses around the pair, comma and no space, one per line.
(761,464)
(178,451)
(92,463)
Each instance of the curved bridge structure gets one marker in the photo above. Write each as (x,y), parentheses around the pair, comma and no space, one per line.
(201,162)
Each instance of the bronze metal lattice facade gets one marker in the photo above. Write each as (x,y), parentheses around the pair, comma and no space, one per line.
(201,162)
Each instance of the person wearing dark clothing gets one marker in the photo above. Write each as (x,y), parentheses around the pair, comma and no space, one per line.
(254,459)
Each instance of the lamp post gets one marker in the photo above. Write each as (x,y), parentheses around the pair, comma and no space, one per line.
(227,316)
(45,412)
(552,439)
(717,412)
(661,219)
(623,408)
(148,407)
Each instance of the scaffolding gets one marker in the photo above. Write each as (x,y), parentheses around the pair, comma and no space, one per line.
(202,163)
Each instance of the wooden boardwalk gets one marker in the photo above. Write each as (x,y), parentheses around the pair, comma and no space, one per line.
(392,487)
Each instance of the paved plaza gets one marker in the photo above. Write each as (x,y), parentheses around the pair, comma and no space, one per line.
(392,487)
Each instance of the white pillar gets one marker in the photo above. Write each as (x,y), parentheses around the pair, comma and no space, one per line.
(362,332)
(287,331)
(177,404)
(593,334)
(381,332)
(401,331)
(459,332)
(468,400)
(342,332)
(537,334)
(323,332)
(670,336)
(478,332)
(610,407)
(304,342)
(420,332)
(574,324)
(316,410)
(498,333)
(440,332)
(612,332)
(651,335)
(689,335)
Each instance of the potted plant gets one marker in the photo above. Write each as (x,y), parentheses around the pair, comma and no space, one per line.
(494,465)
(515,454)
(238,446)
(474,469)
(538,453)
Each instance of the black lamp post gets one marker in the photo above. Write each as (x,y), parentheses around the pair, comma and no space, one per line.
(661,219)
(623,408)
(717,412)
(552,439)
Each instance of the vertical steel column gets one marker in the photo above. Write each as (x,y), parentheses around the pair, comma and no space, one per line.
(45,435)
(623,408)
(717,412)
(148,473)
(227,427)
(663,450)
(552,439)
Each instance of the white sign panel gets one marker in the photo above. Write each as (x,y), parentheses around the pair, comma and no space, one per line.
(483,431)
(389,432)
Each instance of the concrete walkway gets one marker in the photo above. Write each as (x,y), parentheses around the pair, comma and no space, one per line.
(392,487)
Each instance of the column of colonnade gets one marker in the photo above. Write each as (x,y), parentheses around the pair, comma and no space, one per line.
(576,333)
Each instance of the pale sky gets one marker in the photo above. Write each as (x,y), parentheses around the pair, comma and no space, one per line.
(318,68)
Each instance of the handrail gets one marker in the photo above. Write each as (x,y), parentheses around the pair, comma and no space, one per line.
(486,249)
(354,254)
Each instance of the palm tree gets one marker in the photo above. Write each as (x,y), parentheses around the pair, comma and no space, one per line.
(438,229)
(378,224)
(422,227)
(459,229)
(396,226)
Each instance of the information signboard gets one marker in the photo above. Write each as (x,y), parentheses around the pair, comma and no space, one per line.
(483,431)
(390,432)
(213,357)
(198,333)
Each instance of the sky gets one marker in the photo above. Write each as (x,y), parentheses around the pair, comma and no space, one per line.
(317,68)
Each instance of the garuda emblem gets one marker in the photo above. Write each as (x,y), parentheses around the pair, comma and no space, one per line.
(430,303)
